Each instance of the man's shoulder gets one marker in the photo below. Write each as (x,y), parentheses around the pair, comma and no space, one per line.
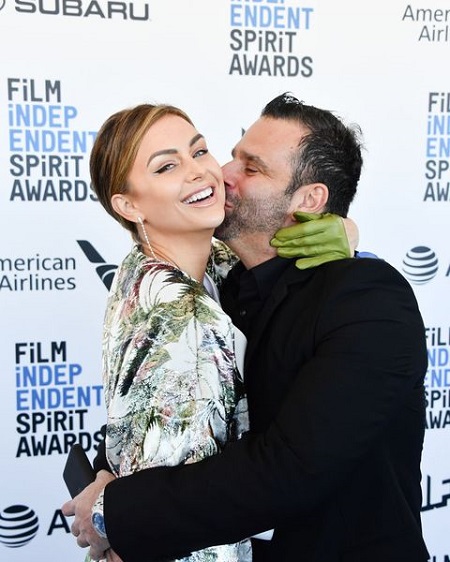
(365,267)
(350,272)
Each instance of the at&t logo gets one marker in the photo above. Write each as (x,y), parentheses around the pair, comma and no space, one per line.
(19,524)
(420,265)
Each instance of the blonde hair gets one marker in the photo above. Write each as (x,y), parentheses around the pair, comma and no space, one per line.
(115,149)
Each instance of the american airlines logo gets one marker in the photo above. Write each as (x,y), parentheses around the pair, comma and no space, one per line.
(104,270)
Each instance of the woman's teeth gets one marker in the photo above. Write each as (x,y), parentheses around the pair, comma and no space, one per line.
(199,196)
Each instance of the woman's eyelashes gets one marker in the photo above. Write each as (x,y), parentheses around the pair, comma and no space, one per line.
(165,168)
(200,152)
(170,165)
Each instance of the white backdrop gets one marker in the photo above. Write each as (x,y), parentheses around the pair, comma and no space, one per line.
(66,65)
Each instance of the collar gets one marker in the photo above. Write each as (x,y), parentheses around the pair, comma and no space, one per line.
(259,280)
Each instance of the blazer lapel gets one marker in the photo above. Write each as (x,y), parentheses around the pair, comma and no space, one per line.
(279,293)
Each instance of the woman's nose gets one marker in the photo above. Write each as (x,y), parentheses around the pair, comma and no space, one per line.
(196,169)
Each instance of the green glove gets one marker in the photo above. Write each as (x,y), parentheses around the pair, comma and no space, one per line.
(317,239)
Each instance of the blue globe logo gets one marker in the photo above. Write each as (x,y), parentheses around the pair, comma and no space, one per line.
(18,525)
(420,265)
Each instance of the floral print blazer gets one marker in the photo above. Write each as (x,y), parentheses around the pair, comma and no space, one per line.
(173,391)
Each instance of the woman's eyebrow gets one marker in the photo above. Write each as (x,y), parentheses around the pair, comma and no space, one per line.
(173,150)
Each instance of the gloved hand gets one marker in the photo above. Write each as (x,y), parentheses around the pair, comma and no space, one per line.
(316,239)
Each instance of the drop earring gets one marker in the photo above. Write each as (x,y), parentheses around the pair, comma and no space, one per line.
(147,241)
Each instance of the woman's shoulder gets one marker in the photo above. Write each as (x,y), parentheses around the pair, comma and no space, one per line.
(221,260)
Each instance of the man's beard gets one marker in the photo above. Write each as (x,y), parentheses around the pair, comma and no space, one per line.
(253,215)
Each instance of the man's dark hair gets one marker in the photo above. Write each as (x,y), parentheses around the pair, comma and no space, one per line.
(330,153)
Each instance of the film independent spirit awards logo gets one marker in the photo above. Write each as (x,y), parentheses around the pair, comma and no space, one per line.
(19,524)
(420,265)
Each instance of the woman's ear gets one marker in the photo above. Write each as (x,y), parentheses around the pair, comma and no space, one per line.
(311,198)
(124,207)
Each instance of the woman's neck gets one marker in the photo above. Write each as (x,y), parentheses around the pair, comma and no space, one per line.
(189,253)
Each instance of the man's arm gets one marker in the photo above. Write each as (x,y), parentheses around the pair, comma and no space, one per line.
(371,355)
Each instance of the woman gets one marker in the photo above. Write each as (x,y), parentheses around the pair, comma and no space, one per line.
(173,389)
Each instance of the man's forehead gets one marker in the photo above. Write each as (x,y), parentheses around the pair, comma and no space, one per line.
(267,135)
(254,157)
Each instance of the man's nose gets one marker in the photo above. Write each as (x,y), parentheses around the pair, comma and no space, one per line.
(229,173)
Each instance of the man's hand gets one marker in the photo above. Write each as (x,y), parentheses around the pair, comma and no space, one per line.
(81,508)
(316,239)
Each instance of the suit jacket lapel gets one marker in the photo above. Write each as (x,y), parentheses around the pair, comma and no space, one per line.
(279,293)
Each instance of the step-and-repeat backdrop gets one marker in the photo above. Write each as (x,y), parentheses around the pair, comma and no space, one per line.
(66,65)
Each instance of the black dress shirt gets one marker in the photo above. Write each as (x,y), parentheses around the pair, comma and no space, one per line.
(252,287)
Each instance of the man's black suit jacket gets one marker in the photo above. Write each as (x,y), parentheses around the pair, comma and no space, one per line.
(334,371)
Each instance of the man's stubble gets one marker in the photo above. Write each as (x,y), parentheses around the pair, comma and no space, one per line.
(253,215)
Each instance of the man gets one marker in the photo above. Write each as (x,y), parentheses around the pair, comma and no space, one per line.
(334,372)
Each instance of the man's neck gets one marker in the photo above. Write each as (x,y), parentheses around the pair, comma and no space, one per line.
(252,249)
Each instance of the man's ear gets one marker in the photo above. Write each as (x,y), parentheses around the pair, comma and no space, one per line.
(311,198)
(124,207)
